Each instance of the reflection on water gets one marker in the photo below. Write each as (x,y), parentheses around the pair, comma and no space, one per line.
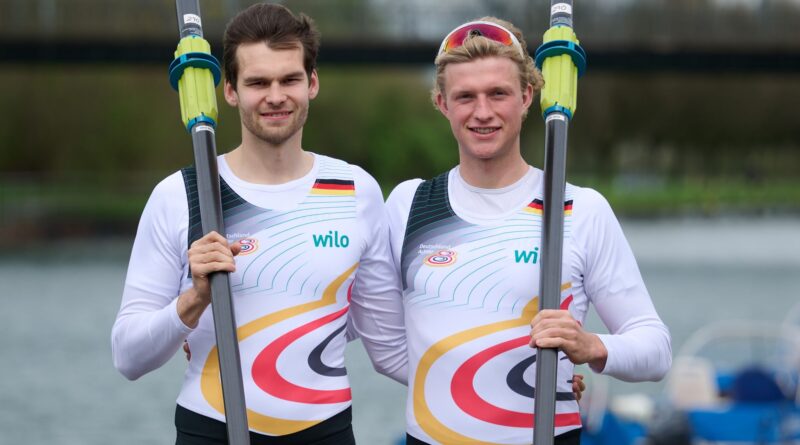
(59,386)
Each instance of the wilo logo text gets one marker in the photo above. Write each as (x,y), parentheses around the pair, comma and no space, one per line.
(527,256)
(332,239)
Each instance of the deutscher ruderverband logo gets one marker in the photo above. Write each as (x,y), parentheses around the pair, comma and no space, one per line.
(331,239)
(249,245)
(441,258)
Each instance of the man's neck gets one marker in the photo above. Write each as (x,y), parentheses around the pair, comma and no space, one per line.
(259,162)
(493,173)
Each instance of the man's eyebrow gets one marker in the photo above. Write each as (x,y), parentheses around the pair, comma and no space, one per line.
(255,78)
(270,79)
(460,90)
(294,74)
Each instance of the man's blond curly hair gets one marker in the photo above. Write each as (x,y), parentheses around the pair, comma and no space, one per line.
(477,47)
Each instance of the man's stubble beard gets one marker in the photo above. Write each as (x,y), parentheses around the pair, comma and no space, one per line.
(276,136)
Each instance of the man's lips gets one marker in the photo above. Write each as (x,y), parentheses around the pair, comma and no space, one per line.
(276,115)
(484,131)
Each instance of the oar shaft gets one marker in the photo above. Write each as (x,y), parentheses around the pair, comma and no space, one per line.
(561,13)
(561,59)
(550,280)
(208,190)
(193,73)
(189,23)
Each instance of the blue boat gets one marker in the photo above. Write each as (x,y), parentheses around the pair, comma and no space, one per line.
(731,383)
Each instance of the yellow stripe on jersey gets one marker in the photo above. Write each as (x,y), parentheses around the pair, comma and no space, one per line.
(427,421)
(210,383)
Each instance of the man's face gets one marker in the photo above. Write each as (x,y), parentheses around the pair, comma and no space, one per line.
(484,103)
(272,92)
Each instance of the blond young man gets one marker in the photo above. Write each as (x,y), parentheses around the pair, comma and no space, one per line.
(466,246)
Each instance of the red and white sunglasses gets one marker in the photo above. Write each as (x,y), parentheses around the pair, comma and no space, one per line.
(491,31)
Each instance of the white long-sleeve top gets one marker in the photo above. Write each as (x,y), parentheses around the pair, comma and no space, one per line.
(316,258)
(469,259)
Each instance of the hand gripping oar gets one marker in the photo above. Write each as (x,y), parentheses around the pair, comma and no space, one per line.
(194,73)
(561,60)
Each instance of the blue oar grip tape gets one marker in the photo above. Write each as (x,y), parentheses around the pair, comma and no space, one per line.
(193,60)
(559,47)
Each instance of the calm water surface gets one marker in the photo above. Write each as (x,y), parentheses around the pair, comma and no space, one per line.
(58,385)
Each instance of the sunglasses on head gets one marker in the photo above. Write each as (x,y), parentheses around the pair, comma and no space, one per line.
(489,30)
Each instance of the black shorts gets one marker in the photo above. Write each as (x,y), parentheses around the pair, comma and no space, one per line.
(569,438)
(196,429)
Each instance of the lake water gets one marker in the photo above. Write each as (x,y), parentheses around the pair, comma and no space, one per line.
(58,385)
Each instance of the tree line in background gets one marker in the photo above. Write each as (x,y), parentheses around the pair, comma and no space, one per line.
(90,144)
(113,121)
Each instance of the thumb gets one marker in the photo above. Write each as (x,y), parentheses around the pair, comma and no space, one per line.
(236,248)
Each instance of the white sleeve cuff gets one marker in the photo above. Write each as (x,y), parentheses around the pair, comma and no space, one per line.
(176,319)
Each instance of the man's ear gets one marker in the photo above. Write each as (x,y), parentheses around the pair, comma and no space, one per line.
(231,96)
(441,103)
(527,96)
(313,85)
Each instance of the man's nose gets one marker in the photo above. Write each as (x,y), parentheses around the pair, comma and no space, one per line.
(483,109)
(275,94)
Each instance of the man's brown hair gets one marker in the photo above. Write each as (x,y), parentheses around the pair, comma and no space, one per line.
(276,26)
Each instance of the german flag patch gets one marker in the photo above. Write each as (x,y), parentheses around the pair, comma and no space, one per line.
(536,206)
(333,187)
